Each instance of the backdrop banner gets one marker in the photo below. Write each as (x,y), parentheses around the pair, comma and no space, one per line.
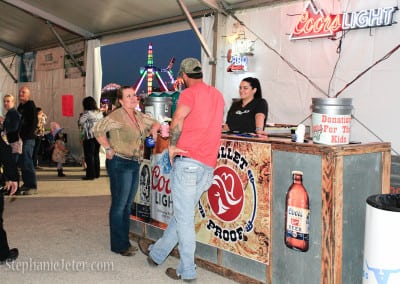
(27,70)
(78,51)
(234,214)
(50,59)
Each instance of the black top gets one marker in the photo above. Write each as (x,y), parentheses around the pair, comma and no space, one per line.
(11,124)
(8,162)
(29,120)
(243,119)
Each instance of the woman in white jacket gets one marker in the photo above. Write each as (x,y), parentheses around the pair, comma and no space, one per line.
(91,114)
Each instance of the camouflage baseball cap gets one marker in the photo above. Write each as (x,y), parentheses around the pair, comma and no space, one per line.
(190,66)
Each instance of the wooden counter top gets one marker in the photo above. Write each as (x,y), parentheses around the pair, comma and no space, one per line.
(285,144)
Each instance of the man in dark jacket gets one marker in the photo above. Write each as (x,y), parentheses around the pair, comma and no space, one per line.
(28,111)
(11,183)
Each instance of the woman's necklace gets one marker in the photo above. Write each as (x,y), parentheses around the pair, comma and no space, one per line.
(135,122)
(141,144)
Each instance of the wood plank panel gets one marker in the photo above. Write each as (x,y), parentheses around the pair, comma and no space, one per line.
(328,228)
(386,167)
(338,219)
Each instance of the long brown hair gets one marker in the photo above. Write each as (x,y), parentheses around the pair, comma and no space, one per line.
(254,83)
(120,93)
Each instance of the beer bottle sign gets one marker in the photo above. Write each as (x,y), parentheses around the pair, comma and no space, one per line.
(297,215)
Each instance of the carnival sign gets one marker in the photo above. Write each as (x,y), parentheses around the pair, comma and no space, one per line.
(315,23)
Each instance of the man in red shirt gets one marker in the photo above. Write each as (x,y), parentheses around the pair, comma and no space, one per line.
(195,135)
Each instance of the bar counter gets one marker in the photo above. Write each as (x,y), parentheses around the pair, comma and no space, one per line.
(246,242)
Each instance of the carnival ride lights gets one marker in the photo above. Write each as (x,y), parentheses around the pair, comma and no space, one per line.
(152,72)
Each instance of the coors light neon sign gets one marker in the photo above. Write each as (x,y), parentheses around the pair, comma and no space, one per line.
(315,23)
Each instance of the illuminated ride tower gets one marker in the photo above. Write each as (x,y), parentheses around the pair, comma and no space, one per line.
(152,71)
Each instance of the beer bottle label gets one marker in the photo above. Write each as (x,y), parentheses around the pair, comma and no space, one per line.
(297,223)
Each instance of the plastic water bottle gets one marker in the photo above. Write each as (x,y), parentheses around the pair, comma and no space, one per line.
(300,132)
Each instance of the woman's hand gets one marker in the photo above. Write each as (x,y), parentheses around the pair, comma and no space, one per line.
(225,127)
(154,130)
(262,134)
(110,153)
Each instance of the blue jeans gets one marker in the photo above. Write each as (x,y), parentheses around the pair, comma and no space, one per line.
(189,179)
(26,162)
(124,176)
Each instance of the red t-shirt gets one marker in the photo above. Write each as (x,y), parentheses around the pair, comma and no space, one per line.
(201,133)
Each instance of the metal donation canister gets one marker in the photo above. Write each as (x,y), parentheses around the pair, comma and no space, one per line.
(331,120)
(158,108)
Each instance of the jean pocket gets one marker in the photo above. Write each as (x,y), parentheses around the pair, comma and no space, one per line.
(189,176)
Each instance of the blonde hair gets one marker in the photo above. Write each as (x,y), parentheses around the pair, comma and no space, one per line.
(9,96)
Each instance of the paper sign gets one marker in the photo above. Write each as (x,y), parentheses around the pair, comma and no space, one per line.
(67,105)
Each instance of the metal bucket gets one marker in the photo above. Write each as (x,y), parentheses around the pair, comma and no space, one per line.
(158,107)
(331,120)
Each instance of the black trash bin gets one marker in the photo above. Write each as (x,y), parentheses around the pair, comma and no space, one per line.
(381,263)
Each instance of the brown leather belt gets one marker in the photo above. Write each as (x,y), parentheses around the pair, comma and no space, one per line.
(131,158)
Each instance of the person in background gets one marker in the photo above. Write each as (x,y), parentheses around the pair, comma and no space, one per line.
(11,126)
(106,106)
(11,185)
(122,134)
(91,114)
(195,135)
(27,109)
(60,150)
(81,137)
(249,114)
(39,132)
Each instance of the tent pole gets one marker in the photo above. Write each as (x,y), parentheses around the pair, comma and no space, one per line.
(196,31)
(66,49)
(8,71)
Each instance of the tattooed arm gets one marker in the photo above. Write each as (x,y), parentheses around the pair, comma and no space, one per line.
(176,129)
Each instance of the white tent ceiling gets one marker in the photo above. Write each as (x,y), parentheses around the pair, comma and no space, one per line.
(29,25)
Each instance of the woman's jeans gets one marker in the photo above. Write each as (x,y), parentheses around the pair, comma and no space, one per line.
(123,175)
(189,179)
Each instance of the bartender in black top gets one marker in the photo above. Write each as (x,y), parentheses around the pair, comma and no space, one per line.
(249,114)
